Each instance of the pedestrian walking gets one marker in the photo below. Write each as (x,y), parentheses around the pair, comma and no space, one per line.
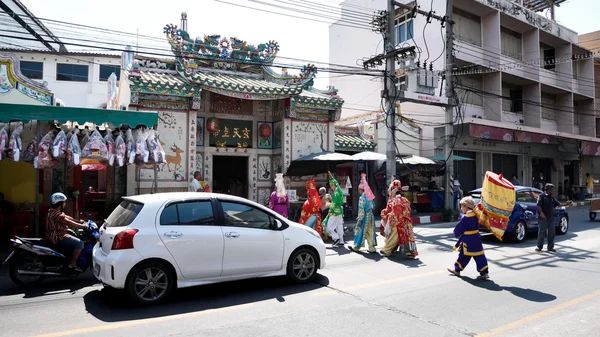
(545,205)
(365,224)
(396,220)
(279,201)
(311,209)
(469,243)
(589,185)
(335,218)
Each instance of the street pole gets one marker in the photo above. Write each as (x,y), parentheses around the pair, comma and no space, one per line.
(449,141)
(390,96)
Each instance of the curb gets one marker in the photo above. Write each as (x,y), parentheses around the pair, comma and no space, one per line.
(417,220)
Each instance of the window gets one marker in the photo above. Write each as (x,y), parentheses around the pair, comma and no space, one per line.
(124,214)
(511,44)
(72,72)
(549,58)
(467,27)
(33,70)
(526,196)
(107,70)
(404,29)
(240,215)
(196,213)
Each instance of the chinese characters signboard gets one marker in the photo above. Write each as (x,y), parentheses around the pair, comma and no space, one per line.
(232,133)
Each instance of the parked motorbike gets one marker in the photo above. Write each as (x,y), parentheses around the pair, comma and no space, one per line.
(34,259)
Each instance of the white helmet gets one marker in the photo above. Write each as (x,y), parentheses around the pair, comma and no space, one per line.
(57,197)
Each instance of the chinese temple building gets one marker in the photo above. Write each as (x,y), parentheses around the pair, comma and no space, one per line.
(225,112)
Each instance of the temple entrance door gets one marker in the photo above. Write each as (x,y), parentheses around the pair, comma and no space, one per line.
(230,175)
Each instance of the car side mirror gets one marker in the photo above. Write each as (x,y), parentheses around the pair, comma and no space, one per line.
(276,224)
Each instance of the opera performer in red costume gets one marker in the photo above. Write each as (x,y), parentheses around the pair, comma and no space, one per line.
(311,210)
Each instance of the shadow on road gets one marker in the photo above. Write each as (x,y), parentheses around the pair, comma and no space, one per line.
(109,305)
(51,285)
(531,295)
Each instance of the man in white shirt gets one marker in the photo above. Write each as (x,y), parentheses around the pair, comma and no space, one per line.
(195,185)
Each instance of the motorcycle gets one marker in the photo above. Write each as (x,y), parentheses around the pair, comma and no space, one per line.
(34,259)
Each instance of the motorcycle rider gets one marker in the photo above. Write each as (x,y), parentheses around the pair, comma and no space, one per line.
(57,223)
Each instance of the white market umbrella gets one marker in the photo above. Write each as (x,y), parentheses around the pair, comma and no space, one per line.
(369,156)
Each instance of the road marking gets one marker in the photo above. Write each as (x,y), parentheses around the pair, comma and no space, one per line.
(539,315)
(112,326)
(378,283)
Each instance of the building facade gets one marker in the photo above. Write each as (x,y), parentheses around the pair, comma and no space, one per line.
(525,87)
(224,112)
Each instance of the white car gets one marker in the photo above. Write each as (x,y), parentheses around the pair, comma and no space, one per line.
(154,243)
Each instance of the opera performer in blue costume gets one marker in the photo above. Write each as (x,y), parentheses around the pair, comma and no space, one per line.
(469,243)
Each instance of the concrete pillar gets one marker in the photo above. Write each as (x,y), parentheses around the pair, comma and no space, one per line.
(587,121)
(565,120)
(492,106)
(483,163)
(533,111)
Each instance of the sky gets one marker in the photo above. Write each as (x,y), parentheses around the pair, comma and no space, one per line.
(298,38)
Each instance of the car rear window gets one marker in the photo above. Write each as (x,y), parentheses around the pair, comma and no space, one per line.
(124,214)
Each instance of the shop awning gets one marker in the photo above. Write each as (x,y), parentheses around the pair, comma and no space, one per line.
(25,113)
(442,157)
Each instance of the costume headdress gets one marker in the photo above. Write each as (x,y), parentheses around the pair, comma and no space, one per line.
(313,194)
(395,186)
(280,186)
(365,186)
(332,181)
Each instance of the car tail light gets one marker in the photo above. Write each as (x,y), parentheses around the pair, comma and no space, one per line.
(124,240)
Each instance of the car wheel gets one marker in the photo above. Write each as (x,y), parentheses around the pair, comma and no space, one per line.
(150,283)
(519,232)
(592,216)
(302,266)
(563,225)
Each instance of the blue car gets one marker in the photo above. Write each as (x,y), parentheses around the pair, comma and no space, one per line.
(524,218)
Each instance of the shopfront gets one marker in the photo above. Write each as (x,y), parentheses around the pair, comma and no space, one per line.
(46,149)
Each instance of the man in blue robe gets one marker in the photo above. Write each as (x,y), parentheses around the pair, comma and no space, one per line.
(469,243)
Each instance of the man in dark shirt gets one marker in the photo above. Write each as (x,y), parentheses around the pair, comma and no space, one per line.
(545,205)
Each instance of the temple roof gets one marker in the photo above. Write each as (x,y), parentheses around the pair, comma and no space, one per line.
(350,143)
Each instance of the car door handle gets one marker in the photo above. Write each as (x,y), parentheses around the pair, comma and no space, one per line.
(232,235)
(173,234)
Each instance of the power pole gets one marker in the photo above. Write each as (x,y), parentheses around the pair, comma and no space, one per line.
(449,141)
(389,94)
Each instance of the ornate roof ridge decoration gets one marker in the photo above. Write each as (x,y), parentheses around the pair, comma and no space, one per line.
(161,82)
(346,130)
(311,99)
(15,79)
(217,52)
(360,118)
(304,79)
(331,91)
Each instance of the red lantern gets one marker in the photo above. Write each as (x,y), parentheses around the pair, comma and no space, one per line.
(212,125)
(265,130)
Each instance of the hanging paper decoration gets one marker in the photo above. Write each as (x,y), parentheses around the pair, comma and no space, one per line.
(95,149)
(141,149)
(212,125)
(120,150)
(15,145)
(497,203)
(30,151)
(157,154)
(60,145)
(74,149)
(3,141)
(110,147)
(44,157)
(130,147)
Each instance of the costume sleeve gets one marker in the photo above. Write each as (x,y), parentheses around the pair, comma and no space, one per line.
(338,196)
(305,214)
(361,208)
(556,203)
(460,227)
(272,201)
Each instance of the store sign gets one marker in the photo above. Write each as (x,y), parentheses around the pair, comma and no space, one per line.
(590,149)
(232,133)
(490,133)
(528,137)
